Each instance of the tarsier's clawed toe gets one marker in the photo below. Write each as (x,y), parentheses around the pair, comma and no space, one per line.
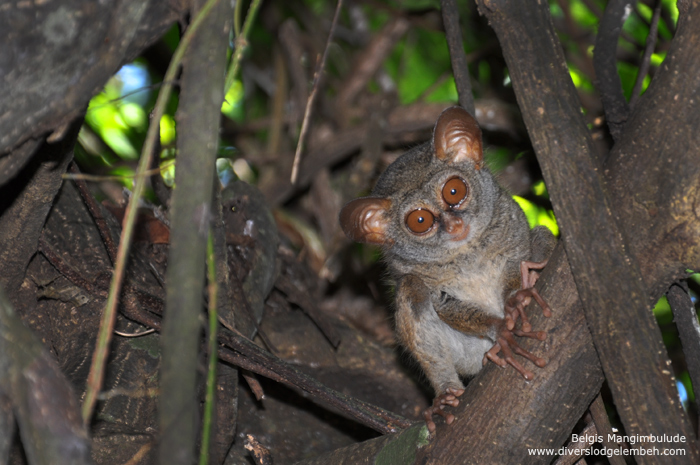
(448,398)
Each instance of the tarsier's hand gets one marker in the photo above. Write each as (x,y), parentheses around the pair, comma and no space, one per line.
(514,308)
(505,342)
(448,398)
(515,305)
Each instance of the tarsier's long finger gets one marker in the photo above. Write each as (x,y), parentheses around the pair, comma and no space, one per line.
(451,395)
(533,277)
(539,335)
(492,355)
(540,362)
(546,311)
(510,322)
(529,279)
(516,307)
(508,342)
(508,357)
(513,311)
(526,326)
(428,417)
(448,398)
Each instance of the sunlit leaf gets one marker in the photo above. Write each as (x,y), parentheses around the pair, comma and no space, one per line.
(540,189)
(580,80)
(167,172)
(167,130)
(117,141)
(133,115)
(537,216)
(658,58)
(582,15)
(662,311)
(418,62)
(445,92)
(233,102)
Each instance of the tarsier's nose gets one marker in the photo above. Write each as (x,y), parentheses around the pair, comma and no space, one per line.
(455,227)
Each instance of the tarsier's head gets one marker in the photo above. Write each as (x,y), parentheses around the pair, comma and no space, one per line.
(432,202)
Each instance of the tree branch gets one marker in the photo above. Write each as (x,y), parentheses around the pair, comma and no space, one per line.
(646,57)
(609,281)
(605,63)
(198,116)
(450,19)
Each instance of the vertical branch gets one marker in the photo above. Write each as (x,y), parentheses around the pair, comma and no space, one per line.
(605,63)
(646,57)
(450,18)
(198,115)
(210,398)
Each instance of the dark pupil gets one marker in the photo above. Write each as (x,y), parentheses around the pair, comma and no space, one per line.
(453,191)
(421,219)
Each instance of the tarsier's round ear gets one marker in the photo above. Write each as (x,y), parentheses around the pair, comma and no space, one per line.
(457,137)
(366,220)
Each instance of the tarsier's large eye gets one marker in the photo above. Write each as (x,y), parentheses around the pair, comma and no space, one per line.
(454,192)
(420,221)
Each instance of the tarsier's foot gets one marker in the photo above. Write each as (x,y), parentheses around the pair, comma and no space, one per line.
(449,397)
(515,305)
(505,342)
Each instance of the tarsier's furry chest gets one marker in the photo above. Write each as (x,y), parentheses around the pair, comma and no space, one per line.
(474,282)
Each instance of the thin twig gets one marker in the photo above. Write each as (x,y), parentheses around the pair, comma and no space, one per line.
(371,59)
(460,70)
(237,19)
(66,270)
(254,385)
(646,57)
(95,212)
(142,333)
(140,454)
(209,399)
(249,356)
(99,359)
(241,43)
(309,103)
(101,177)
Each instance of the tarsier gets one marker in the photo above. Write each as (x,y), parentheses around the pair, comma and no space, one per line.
(462,256)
